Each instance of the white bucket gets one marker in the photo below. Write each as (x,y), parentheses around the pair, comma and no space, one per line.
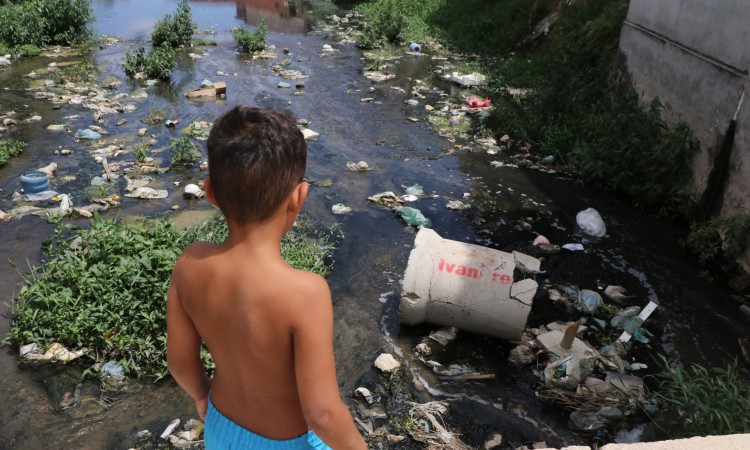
(467,286)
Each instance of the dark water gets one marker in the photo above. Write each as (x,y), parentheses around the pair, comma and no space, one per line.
(695,322)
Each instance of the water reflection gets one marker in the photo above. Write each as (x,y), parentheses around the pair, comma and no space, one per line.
(133,18)
(282,16)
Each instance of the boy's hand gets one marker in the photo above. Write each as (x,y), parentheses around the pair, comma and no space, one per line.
(201,405)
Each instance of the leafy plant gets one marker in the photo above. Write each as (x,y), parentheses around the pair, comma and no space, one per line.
(141,153)
(10,148)
(704,401)
(107,293)
(45,22)
(27,50)
(184,151)
(175,31)
(159,62)
(251,41)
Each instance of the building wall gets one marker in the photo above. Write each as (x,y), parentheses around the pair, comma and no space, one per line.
(694,55)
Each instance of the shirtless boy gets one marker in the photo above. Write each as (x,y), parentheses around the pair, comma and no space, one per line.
(268,326)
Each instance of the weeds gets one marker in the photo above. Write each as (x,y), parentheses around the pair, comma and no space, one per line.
(175,31)
(154,117)
(10,148)
(251,41)
(80,72)
(184,151)
(704,401)
(717,240)
(159,62)
(108,294)
(205,42)
(141,153)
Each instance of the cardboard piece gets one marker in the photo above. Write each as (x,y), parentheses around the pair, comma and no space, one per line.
(220,87)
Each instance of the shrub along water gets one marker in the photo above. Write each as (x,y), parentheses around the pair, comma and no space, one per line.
(251,41)
(45,22)
(105,288)
(169,34)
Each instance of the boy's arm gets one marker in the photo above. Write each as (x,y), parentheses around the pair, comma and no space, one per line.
(183,352)
(315,370)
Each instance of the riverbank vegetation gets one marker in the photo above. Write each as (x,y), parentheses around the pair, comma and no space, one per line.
(703,402)
(10,148)
(170,33)
(28,25)
(104,288)
(578,104)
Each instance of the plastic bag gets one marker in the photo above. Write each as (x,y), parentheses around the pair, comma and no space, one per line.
(591,222)
(88,134)
(414,217)
(587,301)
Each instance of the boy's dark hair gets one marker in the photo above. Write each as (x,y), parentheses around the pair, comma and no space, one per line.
(255,158)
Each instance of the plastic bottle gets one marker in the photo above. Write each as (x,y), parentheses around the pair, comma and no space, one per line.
(413,46)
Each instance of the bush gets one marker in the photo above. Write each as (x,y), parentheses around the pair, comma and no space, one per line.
(109,294)
(10,148)
(46,22)
(704,401)
(251,41)
(184,151)
(28,50)
(159,62)
(175,31)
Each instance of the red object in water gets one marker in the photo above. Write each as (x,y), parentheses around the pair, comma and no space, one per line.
(476,102)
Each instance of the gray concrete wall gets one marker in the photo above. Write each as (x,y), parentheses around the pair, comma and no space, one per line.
(694,55)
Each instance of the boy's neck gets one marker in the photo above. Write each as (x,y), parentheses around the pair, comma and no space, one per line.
(257,237)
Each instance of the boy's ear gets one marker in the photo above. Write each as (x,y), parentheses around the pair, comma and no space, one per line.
(209,191)
(298,196)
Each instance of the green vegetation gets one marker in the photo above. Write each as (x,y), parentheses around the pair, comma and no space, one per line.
(205,42)
(579,105)
(37,23)
(155,116)
(184,151)
(107,293)
(141,153)
(719,239)
(702,401)
(169,33)
(175,31)
(472,24)
(251,41)
(10,148)
(159,62)
(83,71)
(28,50)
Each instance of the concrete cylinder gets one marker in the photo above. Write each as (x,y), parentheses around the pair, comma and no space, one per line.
(467,286)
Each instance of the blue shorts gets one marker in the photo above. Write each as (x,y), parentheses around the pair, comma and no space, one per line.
(223,434)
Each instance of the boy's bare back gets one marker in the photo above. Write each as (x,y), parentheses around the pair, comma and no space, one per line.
(246,310)
(268,326)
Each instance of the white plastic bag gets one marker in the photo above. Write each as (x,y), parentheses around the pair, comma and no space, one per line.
(591,222)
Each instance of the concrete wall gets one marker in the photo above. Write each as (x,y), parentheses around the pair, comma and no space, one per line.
(694,55)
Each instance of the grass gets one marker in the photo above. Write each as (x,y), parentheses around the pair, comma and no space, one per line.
(701,401)
(109,294)
(10,148)
(204,42)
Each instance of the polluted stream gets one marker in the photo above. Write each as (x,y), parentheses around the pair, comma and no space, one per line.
(358,120)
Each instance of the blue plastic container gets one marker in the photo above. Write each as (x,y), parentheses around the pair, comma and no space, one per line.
(413,46)
(34,182)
